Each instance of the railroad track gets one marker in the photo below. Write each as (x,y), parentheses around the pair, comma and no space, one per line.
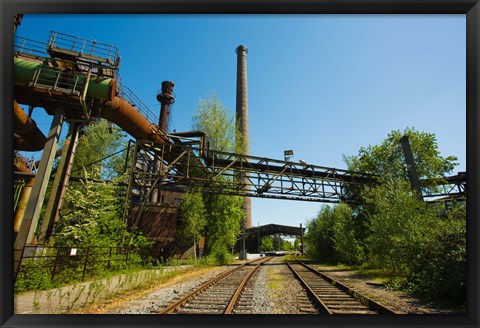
(331,296)
(219,295)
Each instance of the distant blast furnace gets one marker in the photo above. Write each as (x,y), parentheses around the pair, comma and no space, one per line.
(242,121)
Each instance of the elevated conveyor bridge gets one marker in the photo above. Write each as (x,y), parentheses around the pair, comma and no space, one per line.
(189,164)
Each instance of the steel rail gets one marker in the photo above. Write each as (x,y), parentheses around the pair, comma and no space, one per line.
(236,295)
(368,302)
(318,302)
(172,307)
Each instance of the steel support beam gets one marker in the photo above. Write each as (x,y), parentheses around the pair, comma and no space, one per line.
(411,168)
(60,183)
(34,205)
(301,239)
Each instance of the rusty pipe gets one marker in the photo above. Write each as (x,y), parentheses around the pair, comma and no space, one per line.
(19,166)
(118,111)
(31,138)
(123,114)
(204,142)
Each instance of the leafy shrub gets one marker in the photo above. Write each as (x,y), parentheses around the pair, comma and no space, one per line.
(425,251)
(33,275)
(438,272)
(319,236)
(347,246)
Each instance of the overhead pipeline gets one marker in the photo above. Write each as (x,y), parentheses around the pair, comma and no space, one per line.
(30,137)
(123,114)
(112,108)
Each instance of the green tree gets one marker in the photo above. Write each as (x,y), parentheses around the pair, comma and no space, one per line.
(277,242)
(193,216)
(397,225)
(296,244)
(91,216)
(98,140)
(347,246)
(266,244)
(225,214)
(92,213)
(224,218)
(387,160)
(420,243)
(426,252)
(217,121)
(287,245)
(319,235)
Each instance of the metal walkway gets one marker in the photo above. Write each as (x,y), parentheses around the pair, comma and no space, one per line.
(188,164)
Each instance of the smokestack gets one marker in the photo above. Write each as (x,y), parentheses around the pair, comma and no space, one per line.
(166,99)
(242,121)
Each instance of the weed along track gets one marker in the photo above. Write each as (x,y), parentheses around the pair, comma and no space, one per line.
(332,297)
(219,295)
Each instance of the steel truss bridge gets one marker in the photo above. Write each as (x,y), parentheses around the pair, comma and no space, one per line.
(187,163)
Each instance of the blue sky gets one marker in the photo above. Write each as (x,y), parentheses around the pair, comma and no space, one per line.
(322,85)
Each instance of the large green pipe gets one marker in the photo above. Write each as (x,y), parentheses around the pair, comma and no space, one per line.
(24,72)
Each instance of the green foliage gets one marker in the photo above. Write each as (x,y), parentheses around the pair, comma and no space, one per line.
(92,215)
(277,243)
(224,220)
(387,158)
(347,246)
(225,214)
(297,244)
(287,245)
(97,141)
(220,256)
(33,276)
(319,235)
(400,222)
(193,216)
(266,244)
(217,122)
(438,271)
(425,252)
(421,245)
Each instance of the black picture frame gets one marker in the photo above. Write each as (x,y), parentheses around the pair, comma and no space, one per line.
(471,8)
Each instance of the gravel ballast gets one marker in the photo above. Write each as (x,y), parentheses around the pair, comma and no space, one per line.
(275,291)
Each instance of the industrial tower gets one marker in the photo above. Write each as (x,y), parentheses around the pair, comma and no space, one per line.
(242,123)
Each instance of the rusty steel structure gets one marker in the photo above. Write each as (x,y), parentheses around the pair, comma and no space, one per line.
(76,79)
(219,172)
(188,164)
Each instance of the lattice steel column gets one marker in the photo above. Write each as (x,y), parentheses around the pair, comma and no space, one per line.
(34,205)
